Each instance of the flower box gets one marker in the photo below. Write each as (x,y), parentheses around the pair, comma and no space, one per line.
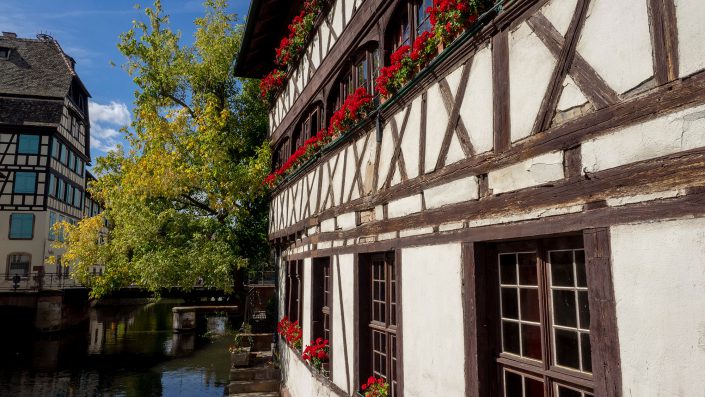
(240,357)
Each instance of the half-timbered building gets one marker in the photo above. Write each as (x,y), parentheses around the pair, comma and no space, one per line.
(525,217)
(44,150)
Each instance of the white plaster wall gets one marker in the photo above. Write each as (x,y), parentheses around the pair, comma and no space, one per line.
(343,311)
(659,137)
(691,35)
(571,96)
(368,164)
(337,177)
(35,247)
(404,206)
(410,143)
(298,379)
(328,225)
(659,283)
(432,320)
(350,166)
(560,13)
(616,42)
(436,121)
(386,148)
(305,320)
(346,221)
(531,66)
(453,192)
(476,110)
(531,172)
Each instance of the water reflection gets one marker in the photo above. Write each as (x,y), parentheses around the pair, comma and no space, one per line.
(126,351)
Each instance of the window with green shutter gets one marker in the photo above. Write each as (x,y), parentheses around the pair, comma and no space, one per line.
(25,183)
(21,226)
(28,144)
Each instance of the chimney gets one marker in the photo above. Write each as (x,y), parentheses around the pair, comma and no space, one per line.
(11,35)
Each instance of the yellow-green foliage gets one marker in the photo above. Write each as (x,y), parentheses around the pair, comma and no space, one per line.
(184,204)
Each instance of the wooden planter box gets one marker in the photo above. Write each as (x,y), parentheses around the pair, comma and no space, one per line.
(240,358)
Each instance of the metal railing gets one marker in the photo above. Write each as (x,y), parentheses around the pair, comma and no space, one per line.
(261,277)
(37,281)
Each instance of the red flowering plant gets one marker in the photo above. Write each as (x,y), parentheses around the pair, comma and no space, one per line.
(424,49)
(292,46)
(271,85)
(353,110)
(291,332)
(394,76)
(375,387)
(317,353)
(450,17)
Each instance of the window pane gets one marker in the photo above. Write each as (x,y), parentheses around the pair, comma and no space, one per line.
(587,353)
(64,154)
(52,221)
(510,303)
(564,312)
(531,341)
(580,265)
(55,148)
(28,144)
(507,269)
(533,388)
(529,304)
(512,384)
(19,265)
(566,392)
(527,269)
(562,268)
(567,354)
(25,182)
(52,185)
(21,226)
(510,337)
(584,310)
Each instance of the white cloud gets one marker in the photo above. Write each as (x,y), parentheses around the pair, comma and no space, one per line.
(106,121)
(114,113)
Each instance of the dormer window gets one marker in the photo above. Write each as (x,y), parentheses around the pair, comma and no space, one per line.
(5,53)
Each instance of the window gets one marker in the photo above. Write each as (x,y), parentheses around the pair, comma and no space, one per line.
(28,144)
(18,264)
(21,226)
(543,318)
(294,291)
(378,318)
(69,194)
(52,185)
(52,222)
(63,156)
(322,298)
(362,72)
(77,198)
(61,193)
(5,53)
(309,126)
(72,161)
(61,233)
(281,154)
(25,183)
(409,21)
(55,148)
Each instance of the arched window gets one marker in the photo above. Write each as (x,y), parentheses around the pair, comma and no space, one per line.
(18,263)
(308,126)
(360,72)
(408,22)
(281,153)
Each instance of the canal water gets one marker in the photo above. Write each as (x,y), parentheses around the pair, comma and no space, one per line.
(122,351)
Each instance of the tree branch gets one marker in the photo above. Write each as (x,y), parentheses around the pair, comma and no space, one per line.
(182,104)
(199,204)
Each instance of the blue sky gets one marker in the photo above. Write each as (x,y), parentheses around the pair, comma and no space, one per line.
(88,30)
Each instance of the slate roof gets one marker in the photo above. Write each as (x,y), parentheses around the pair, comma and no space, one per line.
(36,67)
(19,111)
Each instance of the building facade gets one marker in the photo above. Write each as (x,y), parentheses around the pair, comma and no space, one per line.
(44,150)
(524,218)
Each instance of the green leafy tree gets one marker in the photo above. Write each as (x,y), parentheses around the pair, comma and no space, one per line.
(184,205)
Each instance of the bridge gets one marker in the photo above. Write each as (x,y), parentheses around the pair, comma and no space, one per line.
(54,301)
